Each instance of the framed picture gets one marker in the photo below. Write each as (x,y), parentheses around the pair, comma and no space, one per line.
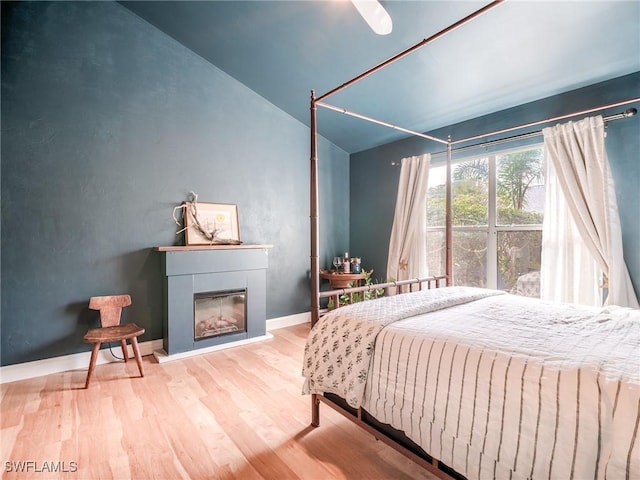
(211,224)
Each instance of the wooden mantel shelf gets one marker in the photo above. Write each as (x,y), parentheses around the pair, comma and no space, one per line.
(178,248)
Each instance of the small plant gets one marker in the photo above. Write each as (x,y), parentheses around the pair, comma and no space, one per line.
(358,296)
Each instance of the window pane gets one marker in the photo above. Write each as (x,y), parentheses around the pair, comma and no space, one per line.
(436,197)
(520,187)
(436,253)
(470,258)
(519,262)
(471,192)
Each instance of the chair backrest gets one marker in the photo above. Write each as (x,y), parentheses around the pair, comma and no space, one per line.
(110,307)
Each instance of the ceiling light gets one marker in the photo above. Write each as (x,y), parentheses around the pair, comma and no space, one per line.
(375,15)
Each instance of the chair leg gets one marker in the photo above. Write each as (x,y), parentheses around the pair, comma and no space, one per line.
(92,363)
(136,353)
(123,344)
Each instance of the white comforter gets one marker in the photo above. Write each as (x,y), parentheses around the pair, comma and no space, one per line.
(509,387)
(337,356)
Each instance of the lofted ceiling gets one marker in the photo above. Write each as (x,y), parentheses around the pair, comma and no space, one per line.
(516,53)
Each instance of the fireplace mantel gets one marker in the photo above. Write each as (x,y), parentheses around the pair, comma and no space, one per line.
(196,269)
(179,248)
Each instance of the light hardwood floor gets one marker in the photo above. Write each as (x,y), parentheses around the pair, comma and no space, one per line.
(232,414)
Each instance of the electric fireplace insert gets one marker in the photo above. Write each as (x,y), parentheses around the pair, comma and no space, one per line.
(219,313)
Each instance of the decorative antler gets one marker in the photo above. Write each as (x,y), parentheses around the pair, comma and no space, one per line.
(191,208)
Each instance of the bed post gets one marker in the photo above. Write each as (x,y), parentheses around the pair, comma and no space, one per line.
(315,410)
(315,273)
(449,219)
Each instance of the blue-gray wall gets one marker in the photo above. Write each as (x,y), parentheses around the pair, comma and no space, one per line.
(374,180)
(107,124)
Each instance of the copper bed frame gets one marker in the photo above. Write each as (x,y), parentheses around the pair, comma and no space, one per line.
(388,435)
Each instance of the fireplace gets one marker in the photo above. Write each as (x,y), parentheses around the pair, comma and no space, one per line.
(214,296)
(219,313)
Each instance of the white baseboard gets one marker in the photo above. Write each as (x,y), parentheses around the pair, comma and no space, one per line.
(162,357)
(288,321)
(76,361)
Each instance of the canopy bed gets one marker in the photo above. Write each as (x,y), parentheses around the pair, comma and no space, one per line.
(475,383)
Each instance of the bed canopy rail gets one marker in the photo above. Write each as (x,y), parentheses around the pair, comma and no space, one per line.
(379,122)
(336,294)
(412,49)
(316,102)
(629,112)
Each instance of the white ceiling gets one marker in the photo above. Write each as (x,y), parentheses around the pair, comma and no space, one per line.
(518,52)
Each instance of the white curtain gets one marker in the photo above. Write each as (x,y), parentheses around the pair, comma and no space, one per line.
(407,246)
(576,153)
(568,272)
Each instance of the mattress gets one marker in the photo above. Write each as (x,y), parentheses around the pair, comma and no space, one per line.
(496,386)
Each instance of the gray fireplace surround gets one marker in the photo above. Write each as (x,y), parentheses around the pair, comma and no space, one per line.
(194,269)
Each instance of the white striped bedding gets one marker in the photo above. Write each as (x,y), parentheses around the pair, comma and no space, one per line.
(511,387)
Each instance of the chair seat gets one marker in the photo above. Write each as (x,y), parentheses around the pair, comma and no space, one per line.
(110,307)
(113,334)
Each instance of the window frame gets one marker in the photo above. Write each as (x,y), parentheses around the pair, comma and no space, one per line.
(492,229)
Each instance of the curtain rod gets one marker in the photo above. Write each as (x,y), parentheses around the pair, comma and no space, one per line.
(630,112)
(547,120)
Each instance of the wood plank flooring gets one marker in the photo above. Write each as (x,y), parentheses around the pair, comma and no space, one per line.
(232,414)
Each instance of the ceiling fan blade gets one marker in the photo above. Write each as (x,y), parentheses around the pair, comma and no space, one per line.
(375,15)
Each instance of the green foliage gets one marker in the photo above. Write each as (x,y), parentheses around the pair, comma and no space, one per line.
(516,172)
(477,169)
(513,216)
(346,299)
(469,204)
(518,253)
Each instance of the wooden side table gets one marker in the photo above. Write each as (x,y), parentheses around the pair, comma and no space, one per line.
(339,280)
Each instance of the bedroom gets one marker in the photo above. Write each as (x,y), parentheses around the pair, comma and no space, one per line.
(103,137)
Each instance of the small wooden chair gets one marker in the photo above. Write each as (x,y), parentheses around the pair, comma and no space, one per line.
(110,308)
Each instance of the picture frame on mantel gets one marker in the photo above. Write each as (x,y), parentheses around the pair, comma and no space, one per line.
(211,224)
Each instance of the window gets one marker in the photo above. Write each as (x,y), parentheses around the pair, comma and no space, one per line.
(498,203)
